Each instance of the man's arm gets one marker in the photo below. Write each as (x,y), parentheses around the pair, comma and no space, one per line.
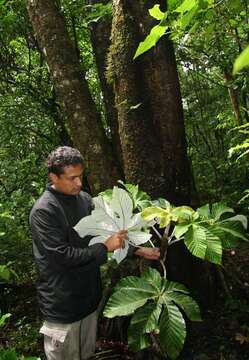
(148,253)
(52,242)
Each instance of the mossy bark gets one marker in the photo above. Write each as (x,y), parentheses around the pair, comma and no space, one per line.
(73,92)
(100,38)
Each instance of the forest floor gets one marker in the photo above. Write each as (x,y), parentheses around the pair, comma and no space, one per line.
(222,335)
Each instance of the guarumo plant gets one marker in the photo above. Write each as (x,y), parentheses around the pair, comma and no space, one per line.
(156,304)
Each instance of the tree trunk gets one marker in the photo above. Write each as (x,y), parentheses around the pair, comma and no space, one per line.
(73,92)
(140,145)
(100,38)
(163,89)
(233,97)
(165,96)
(148,101)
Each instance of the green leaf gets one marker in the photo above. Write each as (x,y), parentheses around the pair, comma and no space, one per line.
(204,211)
(152,212)
(172,331)
(182,213)
(174,286)
(172,4)
(156,13)
(234,229)
(3,319)
(140,198)
(185,20)
(214,246)
(228,241)
(4,272)
(240,218)
(137,340)
(146,318)
(107,195)
(131,293)
(218,209)
(195,240)
(153,277)
(180,229)
(154,36)
(8,355)
(187,5)
(187,304)
(241,61)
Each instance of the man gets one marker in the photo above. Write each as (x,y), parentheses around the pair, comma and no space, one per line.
(69,284)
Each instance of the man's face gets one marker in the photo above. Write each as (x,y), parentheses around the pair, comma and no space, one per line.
(70,181)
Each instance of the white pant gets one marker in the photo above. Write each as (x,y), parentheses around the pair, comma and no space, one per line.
(79,342)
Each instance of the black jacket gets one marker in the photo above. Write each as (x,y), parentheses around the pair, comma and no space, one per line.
(69,284)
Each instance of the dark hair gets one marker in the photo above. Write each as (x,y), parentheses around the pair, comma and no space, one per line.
(61,157)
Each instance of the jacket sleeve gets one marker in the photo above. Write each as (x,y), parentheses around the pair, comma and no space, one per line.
(51,240)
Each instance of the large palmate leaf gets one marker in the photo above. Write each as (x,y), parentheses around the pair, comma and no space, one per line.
(168,214)
(203,243)
(206,234)
(110,216)
(131,293)
(155,303)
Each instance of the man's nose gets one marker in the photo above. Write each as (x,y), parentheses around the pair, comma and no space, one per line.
(78,182)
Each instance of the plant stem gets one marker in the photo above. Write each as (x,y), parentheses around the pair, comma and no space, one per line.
(157,232)
(164,269)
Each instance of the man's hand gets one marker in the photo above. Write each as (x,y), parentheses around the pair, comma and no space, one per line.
(148,253)
(116,241)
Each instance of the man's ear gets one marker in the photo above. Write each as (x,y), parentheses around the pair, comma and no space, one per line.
(53,178)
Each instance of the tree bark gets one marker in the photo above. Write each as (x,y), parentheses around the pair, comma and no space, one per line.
(152,134)
(233,97)
(100,38)
(73,92)
(140,145)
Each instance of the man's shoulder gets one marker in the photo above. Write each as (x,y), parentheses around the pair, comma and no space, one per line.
(86,201)
(85,196)
(46,202)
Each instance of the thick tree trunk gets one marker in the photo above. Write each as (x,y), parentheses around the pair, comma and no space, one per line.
(140,145)
(148,102)
(163,89)
(72,89)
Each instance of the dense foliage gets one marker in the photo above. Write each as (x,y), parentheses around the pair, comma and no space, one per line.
(208,36)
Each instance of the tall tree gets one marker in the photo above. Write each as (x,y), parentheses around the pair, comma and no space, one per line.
(148,102)
(73,92)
